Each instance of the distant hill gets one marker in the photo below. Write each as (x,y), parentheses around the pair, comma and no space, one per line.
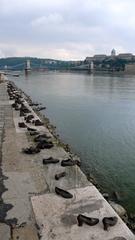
(19,63)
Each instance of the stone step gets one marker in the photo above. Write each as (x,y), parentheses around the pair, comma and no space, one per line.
(56,217)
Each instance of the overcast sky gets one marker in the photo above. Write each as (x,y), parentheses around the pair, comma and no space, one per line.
(66,29)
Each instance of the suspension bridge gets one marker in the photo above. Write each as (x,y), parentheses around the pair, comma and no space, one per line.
(27,66)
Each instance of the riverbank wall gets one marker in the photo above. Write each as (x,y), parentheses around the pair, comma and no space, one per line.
(30,206)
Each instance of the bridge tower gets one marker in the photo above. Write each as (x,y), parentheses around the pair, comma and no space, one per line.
(5,67)
(91,66)
(28,66)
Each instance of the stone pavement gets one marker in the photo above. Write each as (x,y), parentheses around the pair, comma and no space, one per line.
(16,173)
(5,233)
(29,205)
(5,112)
(57,217)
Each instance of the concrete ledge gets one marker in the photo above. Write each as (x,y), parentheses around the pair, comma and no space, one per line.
(56,216)
(4,232)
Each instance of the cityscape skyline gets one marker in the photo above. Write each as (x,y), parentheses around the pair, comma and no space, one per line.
(66,30)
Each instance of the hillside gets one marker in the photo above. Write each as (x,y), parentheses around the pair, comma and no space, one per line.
(19,63)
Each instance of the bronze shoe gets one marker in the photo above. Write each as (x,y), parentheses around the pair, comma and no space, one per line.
(50,160)
(33,133)
(87,220)
(31,129)
(60,175)
(109,222)
(63,193)
(38,123)
(41,137)
(43,145)
(31,150)
(22,125)
(70,162)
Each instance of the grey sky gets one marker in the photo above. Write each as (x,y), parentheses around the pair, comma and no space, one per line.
(66,29)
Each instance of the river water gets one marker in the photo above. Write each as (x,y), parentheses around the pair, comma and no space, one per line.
(95,114)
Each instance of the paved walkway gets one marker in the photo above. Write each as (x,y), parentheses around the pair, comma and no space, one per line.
(5,111)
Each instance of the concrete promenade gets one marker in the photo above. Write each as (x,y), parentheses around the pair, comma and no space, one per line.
(29,206)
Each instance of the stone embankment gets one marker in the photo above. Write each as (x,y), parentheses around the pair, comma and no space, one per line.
(43,193)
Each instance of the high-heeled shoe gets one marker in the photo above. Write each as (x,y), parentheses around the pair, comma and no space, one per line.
(109,222)
(87,220)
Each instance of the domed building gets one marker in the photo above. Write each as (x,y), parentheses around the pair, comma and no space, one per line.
(113,52)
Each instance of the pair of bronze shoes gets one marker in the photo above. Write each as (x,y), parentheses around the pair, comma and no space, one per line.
(31,150)
(107,221)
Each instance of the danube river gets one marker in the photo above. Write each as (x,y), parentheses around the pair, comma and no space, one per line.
(95,114)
